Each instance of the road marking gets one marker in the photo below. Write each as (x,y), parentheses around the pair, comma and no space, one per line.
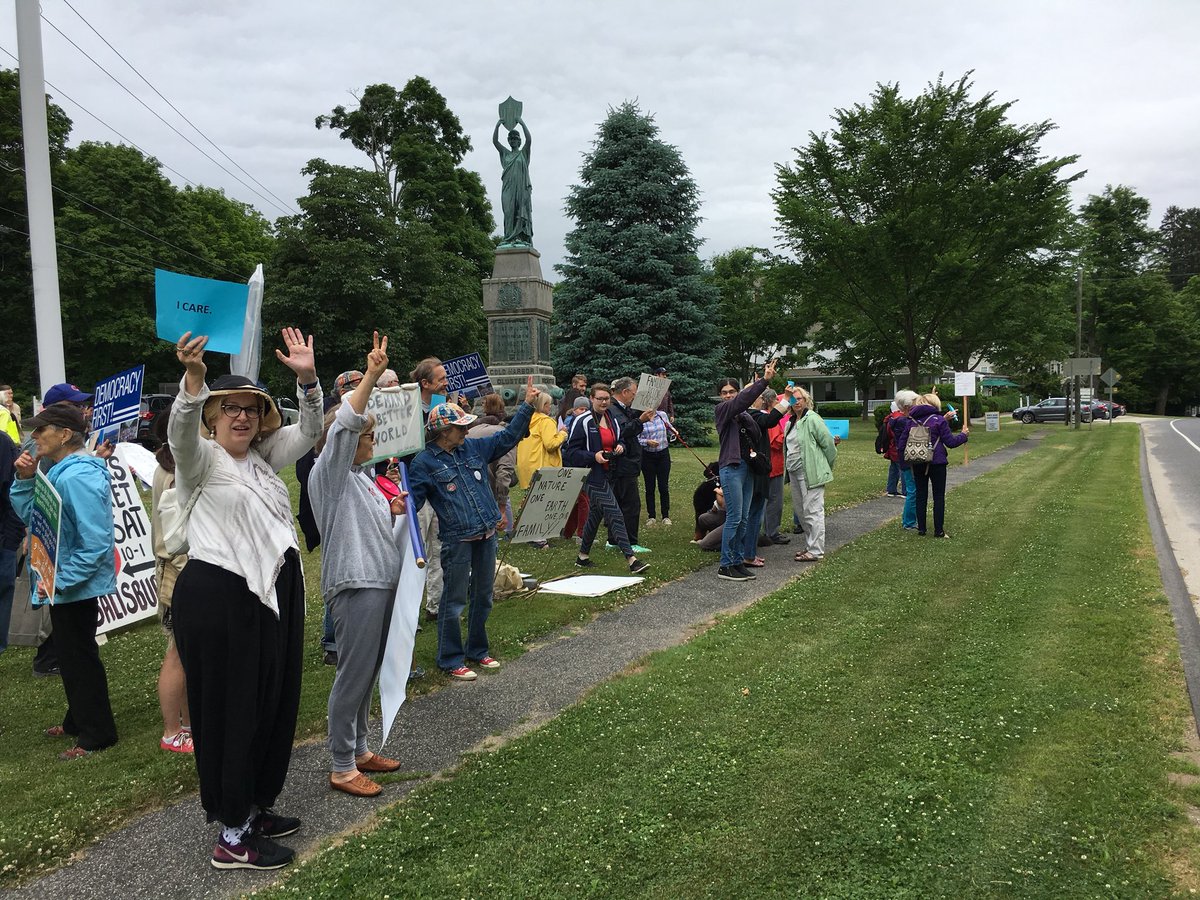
(1184,436)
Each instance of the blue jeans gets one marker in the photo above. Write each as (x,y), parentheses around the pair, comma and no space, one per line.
(8,579)
(754,520)
(909,517)
(465,565)
(738,496)
(895,483)
(328,641)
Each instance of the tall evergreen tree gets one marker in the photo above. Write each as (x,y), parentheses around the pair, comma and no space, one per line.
(633,294)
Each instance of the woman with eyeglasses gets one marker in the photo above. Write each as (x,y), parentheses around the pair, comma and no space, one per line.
(239,602)
(360,566)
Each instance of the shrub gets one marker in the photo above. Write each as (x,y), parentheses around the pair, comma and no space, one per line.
(842,410)
(881,413)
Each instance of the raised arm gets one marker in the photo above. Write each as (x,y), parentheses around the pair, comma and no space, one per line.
(193,455)
(290,443)
(525,148)
(496,140)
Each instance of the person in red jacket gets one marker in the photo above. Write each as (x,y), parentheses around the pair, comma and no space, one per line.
(774,509)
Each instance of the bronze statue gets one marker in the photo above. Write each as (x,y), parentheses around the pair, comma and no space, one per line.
(516,195)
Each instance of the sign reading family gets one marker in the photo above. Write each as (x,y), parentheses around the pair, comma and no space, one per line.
(118,399)
(399,421)
(650,392)
(202,306)
(548,503)
(466,375)
(44,522)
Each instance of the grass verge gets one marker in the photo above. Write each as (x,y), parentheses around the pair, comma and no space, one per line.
(989,717)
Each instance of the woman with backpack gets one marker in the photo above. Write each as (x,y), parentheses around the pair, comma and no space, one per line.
(923,445)
(895,425)
(810,451)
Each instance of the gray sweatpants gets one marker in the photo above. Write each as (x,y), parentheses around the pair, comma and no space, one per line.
(360,623)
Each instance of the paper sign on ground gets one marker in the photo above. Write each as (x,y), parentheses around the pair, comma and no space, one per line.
(117,400)
(589,585)
(402,631)
(201,306)
(839,428)
(45,520)
(548,503)
(399,422)
(964,384)
(650,392)
(466,375)
(136,597)
(993,421)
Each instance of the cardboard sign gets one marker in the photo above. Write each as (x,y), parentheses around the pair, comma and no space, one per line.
(44,523)
(399,421)
(650,392)
(548,503)
(202,306)
(964,384)
(118,400)
(839,428)
(993,421)
(466,375)
(136,597)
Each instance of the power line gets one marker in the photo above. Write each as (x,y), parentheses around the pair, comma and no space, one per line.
(155,113)
(196,128)
(61,93)
(122,262)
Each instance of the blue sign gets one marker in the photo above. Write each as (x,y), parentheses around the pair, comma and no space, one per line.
(117,399)
(466,375)
(839,428)
(202,306)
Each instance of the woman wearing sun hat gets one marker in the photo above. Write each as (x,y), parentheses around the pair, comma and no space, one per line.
(239,602)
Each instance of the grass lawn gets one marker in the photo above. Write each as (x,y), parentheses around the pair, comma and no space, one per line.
(987,716)
(51,810)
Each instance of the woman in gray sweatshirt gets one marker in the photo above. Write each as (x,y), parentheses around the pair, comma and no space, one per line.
(360,566)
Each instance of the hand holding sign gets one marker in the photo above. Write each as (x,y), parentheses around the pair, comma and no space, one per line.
(190,351)
(300,358)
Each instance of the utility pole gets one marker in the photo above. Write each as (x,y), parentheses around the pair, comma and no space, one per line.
(1078,343)
(42,250)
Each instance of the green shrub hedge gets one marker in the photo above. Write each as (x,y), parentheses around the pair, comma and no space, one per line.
(840,410)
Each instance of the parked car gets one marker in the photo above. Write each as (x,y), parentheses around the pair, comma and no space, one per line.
(153,406)
(288,411)
(1111,410)
(1052,409)
(1098,408)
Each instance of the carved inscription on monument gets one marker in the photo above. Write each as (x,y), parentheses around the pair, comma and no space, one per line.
(543,341)
(512,340)
(509,296)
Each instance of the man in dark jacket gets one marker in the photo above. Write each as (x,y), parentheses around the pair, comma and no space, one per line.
(625,471)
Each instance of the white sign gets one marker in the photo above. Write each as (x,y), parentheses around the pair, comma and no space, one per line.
(650,392)
(589,585)
(993,421)
(399,421)
(964,384)
(137,591)
(548,503)
(402,631)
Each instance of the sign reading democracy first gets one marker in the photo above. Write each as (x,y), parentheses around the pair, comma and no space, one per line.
(548,503)
(44,523)
(466,375)
(136,597)
(202,306)
(118,399)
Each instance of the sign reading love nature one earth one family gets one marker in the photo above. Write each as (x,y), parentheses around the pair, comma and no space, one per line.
(117,400)
(136,597)
(399,421)
(466,375)
(650,392)
(548,503)
(202,306)
(44,522)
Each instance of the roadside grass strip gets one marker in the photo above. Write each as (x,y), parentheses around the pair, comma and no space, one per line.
(50,810)
(986,716)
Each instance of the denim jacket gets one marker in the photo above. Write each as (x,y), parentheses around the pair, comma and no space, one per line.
(456,483)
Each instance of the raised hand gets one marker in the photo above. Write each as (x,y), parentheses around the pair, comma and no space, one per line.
(530,391)
(377,358)
(190,351)
(300,358)
(769,372)
(25,465)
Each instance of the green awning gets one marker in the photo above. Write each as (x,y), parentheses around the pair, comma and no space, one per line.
(997,381)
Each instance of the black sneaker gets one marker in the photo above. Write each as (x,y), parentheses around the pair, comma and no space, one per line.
(781,539)
(638,566)
(731,573)
(254,852)
(331,657)
(47,672)
(416,672)
(584,562)
(272,825)
(746,574)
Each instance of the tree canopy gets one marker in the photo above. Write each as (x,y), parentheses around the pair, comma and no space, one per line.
(759,315)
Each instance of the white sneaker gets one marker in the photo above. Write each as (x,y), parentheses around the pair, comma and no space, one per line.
(650,523)
(667,522)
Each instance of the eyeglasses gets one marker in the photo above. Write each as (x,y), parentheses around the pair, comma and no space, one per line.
(232,410)
(367,435)
(603,399)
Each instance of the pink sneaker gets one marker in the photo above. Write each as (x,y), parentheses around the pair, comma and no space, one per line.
(180,743)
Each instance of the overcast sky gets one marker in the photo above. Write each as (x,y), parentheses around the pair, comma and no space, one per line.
(735,86)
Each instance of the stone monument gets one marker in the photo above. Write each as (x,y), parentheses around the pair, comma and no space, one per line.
(517,300)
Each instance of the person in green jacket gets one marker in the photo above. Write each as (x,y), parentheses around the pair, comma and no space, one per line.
(809,454)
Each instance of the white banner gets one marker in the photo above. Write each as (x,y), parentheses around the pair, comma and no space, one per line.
(964,384)
(650,392)
(136,597)
(551,496)
(402,633)
(399,421)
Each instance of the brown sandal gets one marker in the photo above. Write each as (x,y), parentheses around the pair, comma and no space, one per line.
(376,763)
(806,557)
(358,786)
(56,731)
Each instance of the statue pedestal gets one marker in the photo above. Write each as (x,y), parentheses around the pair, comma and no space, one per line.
(518,303)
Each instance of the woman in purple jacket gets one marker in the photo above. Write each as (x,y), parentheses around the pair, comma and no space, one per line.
(927,412)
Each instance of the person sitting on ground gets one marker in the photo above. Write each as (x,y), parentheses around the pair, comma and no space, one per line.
(705,495)
(360,567)
(449,475)
(710,524)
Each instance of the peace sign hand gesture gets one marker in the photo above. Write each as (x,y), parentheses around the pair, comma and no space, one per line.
(299,358)
(530,391)
(377,358)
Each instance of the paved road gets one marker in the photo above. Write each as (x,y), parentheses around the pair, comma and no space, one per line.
(1173,458)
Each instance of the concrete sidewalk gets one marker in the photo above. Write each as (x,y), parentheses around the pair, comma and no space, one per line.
(166,852)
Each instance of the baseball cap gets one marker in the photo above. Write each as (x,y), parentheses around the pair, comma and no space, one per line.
(444,415)
(346,381)
(65,393)
(659,371)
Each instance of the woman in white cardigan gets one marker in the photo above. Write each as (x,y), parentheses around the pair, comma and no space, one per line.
(239,603)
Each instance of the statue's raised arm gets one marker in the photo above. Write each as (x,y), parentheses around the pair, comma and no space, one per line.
(517,192)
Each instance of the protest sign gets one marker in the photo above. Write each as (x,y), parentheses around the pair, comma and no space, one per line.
(202,306)
(44,522)
(548,503)
(839,428)
(589,585)
(650,392)
(993,421)
(964,384)
(466,375)
(136,597)
(399,421)
(117,401)
(402,630)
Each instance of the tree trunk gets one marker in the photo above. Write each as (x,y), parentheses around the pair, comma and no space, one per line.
(1160,404)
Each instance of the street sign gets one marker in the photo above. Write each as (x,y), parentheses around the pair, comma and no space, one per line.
(1083,366)
(1111,377)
